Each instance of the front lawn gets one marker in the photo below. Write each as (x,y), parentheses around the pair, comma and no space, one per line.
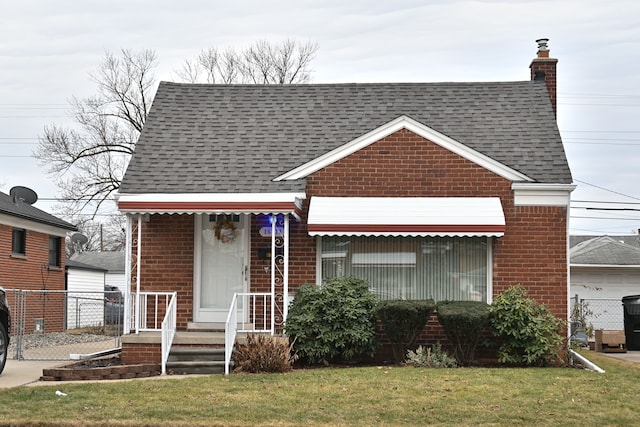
(344,396)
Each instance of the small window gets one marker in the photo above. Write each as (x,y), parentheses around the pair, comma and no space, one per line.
(54,251)
(19,242)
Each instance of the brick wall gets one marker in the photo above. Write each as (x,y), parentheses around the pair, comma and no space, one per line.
(134,353)
(533,249)
(547,66)
(166,263)
(32,272)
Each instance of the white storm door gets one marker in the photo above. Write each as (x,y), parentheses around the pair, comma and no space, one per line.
(221,266)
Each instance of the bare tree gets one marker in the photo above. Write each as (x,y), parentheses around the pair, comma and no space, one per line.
(88,162)
(288,62)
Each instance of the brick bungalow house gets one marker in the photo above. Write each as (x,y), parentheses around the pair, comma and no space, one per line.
(427,190)
(32,257)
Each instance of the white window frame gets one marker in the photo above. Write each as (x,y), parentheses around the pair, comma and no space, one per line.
(490,240)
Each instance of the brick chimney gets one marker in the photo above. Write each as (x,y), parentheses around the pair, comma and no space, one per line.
(543,69)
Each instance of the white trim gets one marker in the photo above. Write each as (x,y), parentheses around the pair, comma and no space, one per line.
(127,274)
(403,122)
(623,266)
(318,260)
(210,197)
(138,269)
(197,264)
(489,262)
(535,194)
(489,270)
(30,225)
(285,284)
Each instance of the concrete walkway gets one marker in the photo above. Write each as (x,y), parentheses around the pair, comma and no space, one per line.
(632,356)
(24,372)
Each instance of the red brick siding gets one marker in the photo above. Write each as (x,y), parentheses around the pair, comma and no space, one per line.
(548,67)
(533,249)
(32,272)
(166,263)
(134,353)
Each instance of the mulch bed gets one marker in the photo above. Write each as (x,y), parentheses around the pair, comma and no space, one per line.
(110,368)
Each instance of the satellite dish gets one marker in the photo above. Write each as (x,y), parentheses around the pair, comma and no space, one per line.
(79,238)
(24,195)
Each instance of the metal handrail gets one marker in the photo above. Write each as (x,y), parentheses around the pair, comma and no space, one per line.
(250,317)
(168,330)
(142,322)
(230,331)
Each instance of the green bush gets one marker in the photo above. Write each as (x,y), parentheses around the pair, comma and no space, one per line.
(463,322)
(430,357)
(335,322)
(403,321)
(263,354)
(530,334)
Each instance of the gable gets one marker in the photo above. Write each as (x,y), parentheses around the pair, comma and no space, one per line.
(403,122)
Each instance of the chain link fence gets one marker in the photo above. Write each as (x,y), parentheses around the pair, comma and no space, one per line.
(56,325)
(602,313)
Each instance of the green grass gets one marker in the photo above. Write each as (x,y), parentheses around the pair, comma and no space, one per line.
(368,396)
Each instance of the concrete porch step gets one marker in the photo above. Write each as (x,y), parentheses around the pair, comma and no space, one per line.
(196,360)
(182,353)
(196,367)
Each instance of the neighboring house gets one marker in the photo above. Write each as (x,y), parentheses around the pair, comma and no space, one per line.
(603,270)
(112,262)
(32,258)
(85,295)
(450,191)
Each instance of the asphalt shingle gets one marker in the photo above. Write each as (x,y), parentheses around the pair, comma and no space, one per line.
(23,210)
(237,138)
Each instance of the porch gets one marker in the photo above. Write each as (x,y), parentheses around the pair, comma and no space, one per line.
(202,347)
(202,269)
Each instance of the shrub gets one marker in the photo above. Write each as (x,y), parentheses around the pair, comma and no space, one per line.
(335,322)
(403,320)
(430,357)
(263,353)
(530,333)
(463,322)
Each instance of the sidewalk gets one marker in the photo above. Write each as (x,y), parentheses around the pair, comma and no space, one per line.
(23,372)
(631,356)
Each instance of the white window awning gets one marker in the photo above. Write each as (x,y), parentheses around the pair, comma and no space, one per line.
(406,216)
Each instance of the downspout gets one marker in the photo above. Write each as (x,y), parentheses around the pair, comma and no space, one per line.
(139,253)
(586,362)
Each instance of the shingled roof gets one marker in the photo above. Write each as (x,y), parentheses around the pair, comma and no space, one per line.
(23,210)
(605,250)
(236,138)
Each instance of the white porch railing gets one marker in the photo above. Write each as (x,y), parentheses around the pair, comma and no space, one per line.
(150,310)
(168,331)
(252,315)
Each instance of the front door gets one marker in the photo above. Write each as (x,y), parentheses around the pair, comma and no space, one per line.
(221,267)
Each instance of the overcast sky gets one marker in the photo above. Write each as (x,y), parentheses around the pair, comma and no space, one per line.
(47,49)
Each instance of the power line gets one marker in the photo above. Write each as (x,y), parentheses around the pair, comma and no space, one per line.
(606,189)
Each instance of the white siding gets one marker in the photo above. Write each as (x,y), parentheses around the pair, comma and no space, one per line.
(603,288)
(116,279)
(85,298)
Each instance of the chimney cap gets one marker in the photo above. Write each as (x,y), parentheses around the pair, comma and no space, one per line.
(542,44)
